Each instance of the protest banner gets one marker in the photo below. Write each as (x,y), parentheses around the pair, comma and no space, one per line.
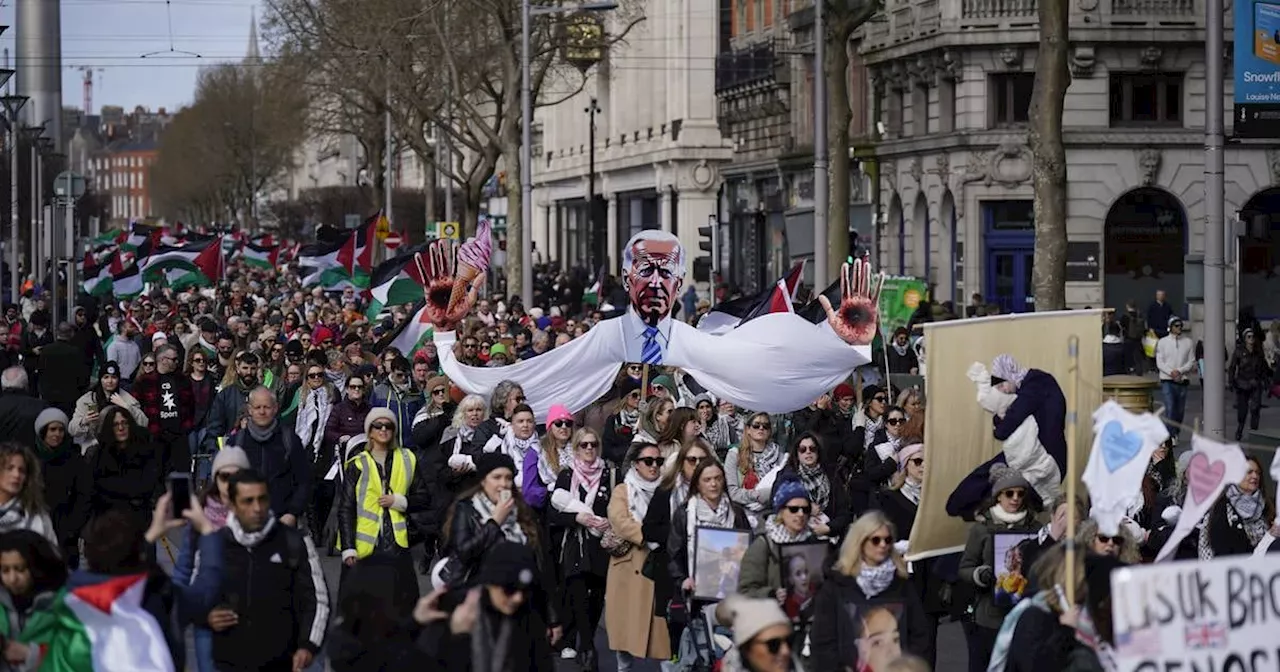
(899,298)
(1220,614)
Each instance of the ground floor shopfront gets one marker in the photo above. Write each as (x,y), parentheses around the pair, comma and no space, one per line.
(961,216)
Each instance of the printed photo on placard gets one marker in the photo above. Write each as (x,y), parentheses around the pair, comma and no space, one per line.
(1011,574)
(717,560)
(802,567)
(876,641)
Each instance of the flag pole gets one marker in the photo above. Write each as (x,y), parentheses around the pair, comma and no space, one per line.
(644,383)
(1073,375)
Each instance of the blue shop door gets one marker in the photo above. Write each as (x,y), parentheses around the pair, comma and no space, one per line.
(1009,280)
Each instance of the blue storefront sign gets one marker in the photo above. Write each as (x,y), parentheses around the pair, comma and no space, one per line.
(1257,69)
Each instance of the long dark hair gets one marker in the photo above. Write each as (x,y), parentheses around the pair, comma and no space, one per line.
(106,431)
(793,453)
(32,496)
(48,570)
(674,433)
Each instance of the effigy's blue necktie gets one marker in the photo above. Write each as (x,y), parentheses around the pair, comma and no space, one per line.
(652,352)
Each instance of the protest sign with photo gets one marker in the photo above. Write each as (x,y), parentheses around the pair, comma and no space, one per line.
(1220,614)
(802,568)
(718,559)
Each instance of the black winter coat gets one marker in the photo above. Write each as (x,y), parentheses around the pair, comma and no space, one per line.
(656,527)
(67,488)
(286,465)
(278,591)
(18,413)
(470,540)
(127,480)
(835,430)
(929,586)
(577,551)
(64,376)
(427,432)
(840,608)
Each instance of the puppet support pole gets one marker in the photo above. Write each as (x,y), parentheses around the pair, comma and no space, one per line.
(1073,419)
(644,383)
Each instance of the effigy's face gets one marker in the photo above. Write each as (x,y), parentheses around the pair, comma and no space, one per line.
(652,279)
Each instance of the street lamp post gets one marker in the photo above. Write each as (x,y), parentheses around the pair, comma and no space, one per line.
(527,12)
(11,106)
(592,234)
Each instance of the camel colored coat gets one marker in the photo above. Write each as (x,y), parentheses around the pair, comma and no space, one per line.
(628,611)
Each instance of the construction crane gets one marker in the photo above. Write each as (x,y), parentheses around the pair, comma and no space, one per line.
(87,72)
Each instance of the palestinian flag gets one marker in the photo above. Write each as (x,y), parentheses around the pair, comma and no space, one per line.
(141,236)
(204,257)
(97,281)
(592,295)
(324,265)
(178,279)
(397,280)
(108,238)
(357,252)
(415,333)
(779,298)
(261,256)
(101,627)
(128,283)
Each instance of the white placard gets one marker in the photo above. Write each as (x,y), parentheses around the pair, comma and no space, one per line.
(1222,614)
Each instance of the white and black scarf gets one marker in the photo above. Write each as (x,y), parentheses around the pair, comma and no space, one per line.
(679,492)
(999,515)
(816,483)
(699,513)
(1248,508)
(779,534)
(313,415)
(464,436)
(510,527)
(14,517)
(875,579)
(871,427)
(764,461)
(545,473)
(639,494)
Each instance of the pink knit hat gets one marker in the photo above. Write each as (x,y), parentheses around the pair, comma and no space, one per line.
(907,452)
(558,412)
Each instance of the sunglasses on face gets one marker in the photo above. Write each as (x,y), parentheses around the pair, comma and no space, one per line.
(148,363)
(878,540)
(356,387)
(588,445)
(649,461)
(1018,493)
(879,398)
(198,360)
(694,459)
(1104,539)
(469,345)
(917,461)
(894,422)
(561,424)
(439,392)
(382,426)
(806,448)
(797,509)
(223,476)
(315,376)
(520,399)
(760,425)
(773,646)
(511,591)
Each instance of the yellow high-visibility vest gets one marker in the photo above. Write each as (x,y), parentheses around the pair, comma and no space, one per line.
(368,490)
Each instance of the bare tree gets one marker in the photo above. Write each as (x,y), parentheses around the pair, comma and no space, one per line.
(464,54)
(842,19)
(238,136)
(1049,157)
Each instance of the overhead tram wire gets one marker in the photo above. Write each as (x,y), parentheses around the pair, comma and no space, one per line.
(179,53)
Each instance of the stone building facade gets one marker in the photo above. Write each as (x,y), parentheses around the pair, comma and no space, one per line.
(952,80)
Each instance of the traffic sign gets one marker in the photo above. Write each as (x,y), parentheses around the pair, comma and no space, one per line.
(448,230)
(392,241)
(68,185)
(383,228)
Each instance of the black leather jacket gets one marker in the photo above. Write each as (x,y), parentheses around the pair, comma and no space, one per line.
(470,540)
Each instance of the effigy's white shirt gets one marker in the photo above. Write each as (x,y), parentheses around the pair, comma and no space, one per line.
(776,363)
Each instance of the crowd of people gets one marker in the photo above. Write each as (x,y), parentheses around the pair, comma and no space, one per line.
(305,434)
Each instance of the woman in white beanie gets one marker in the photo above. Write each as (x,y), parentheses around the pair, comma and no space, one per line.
(381,486)
(226,463)
(761,636)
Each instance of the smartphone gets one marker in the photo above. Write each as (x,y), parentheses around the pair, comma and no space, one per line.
(505,495)
(180,487)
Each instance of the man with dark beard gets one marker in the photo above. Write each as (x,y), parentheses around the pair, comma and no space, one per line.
(228,407)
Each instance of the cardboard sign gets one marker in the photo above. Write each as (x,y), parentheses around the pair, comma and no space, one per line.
(1221,614)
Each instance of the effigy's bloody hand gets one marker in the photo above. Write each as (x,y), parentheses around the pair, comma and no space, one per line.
(449,298)
(857,317)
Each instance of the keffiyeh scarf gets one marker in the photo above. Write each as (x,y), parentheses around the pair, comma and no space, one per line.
(871,427)
(313,415)
(816,483)
(1248,508)
(875,579)
(639,494)
(545,472)
(766,460)
(510,527)
(779,534)
(700,513)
